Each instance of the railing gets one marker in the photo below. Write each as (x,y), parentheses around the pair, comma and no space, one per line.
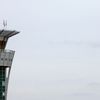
(6,57)
(6,50)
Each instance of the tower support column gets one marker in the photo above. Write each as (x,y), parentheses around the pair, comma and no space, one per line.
(6,58)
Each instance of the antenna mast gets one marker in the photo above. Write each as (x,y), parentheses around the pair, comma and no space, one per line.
(4,24)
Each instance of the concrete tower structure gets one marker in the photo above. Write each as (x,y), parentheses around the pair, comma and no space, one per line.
(6,58)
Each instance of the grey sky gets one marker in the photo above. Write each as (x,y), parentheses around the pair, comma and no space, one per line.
(58,49)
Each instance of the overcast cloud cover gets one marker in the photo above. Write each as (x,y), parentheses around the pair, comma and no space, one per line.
(58,50)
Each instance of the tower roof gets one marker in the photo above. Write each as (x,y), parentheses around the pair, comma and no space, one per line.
(8,33)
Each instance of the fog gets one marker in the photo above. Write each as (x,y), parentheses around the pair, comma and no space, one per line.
(57,51)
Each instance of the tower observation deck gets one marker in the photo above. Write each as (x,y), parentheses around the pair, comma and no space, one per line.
(6,58)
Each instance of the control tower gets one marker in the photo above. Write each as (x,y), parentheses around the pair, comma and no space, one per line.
(6,58)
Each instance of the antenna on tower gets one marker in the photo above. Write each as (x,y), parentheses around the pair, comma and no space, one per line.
(5,24)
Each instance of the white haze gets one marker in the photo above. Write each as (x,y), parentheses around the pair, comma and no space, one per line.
(58,50)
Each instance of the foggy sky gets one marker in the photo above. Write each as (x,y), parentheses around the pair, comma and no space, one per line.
(58,49)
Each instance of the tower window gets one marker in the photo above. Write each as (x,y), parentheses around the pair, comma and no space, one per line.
(3,94)
(3,83)
(1,58)
(5,58)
